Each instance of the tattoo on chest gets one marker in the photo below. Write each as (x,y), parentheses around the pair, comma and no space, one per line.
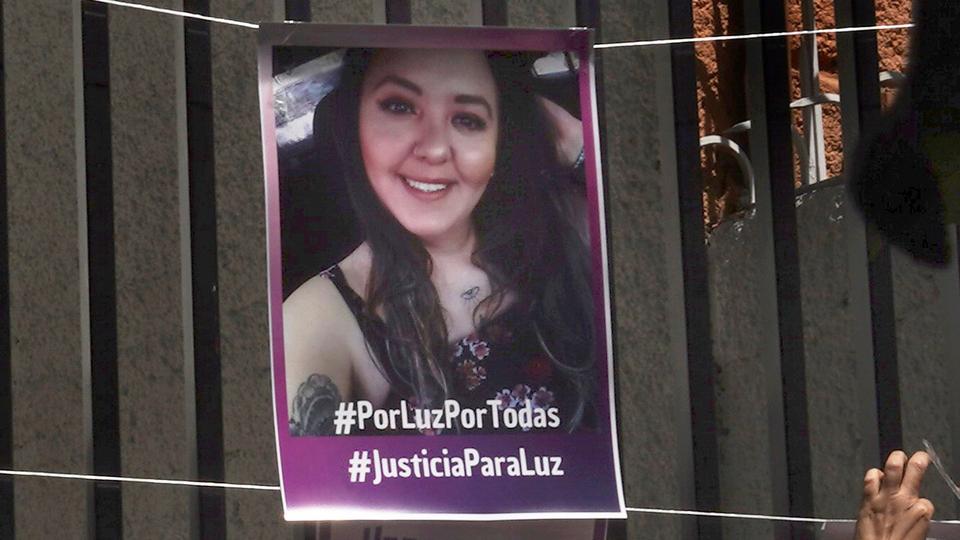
(314,406)
(470,294)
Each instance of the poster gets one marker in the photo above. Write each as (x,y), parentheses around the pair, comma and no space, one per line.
(439,308)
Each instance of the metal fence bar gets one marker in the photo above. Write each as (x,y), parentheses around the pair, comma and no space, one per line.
(768,154)
(785,370)
(296,10)
(398,11)
(187,335)
(6,382)
(494,12)
(699,341)
(587,13)
(203,257)
(102,278)
(814,168)
(860,94)
(676,301)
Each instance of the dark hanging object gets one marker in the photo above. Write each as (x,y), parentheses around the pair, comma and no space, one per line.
(904,176)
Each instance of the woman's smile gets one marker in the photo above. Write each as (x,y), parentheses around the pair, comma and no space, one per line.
(428,189)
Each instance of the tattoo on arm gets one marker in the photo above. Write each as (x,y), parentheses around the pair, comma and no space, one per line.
(314,406)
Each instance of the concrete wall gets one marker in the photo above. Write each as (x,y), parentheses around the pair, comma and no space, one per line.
(156,434)
(47,282)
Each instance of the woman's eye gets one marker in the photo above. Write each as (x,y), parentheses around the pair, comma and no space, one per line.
(397,106)
(470,122)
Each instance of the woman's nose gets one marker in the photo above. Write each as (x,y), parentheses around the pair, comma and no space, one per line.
(433,144)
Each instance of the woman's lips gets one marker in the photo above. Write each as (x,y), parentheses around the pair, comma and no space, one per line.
(426,189)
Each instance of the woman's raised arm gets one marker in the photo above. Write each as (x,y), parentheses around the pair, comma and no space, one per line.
(567,133)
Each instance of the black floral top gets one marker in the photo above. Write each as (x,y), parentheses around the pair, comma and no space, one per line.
(502,361)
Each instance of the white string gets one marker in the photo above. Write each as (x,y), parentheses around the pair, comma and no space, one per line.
(261,487)
(675,41)
(179,13)
(615,45)
(136,480)
(763,517)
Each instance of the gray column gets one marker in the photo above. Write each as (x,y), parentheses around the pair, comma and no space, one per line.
(542,13)
(839,438)
(248,437)
(655,437)
(739,319)
(155,439)
(446,12)
(925,304)
(47,268)
(337,11)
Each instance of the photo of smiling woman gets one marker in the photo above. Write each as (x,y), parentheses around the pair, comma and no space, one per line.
(471,280)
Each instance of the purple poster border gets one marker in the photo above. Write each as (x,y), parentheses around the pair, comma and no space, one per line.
(315,484)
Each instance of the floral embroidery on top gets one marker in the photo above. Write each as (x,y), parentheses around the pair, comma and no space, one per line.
(521,397)
(467,355)
(513,399)
(542,398)
(518,397)
(470,369)
(471,374)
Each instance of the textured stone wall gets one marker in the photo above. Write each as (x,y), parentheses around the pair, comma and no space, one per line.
(642,209)
(249,451)
(925,306)
(837,438)
(738,321)
(157,440)
(47,283)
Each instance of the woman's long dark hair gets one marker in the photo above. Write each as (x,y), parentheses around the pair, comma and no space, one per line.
(526,243)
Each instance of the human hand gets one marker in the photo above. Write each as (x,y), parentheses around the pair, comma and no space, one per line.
(891,508)
(567,132)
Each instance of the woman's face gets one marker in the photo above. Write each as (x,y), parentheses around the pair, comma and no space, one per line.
(428,136)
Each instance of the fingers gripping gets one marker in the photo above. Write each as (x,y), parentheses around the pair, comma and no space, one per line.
(893,472)
(913,474)
(891,507)
(871,483)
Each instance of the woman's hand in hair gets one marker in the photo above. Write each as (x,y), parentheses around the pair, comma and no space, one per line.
(891,508)
(567,132)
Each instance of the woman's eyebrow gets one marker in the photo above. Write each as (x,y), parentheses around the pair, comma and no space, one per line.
(463,99)
(399,81)
(469,99)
